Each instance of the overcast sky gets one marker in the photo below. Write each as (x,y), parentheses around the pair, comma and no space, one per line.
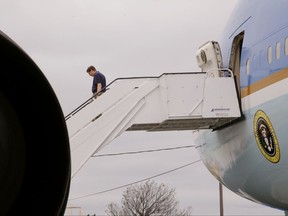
(125,38)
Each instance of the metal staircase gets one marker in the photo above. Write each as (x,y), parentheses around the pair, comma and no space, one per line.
(173,101)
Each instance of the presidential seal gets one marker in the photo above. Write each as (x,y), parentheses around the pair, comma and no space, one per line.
(265,137)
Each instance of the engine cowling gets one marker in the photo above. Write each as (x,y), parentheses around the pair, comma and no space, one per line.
(34,145)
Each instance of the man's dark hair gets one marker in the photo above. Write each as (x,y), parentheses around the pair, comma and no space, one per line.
(90,68)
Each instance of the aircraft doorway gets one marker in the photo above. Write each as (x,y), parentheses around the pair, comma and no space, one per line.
(235,58)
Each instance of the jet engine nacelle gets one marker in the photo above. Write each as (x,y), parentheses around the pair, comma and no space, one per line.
(34,144)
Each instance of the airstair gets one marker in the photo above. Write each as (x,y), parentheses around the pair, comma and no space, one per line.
(173,101)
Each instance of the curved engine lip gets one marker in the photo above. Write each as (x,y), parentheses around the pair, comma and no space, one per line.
(48,171)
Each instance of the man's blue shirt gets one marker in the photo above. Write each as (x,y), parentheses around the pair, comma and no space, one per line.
(99,78)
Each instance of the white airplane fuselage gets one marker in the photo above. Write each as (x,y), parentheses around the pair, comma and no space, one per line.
(251,157)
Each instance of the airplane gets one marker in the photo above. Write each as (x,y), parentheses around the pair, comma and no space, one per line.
(249,157)
(247,154)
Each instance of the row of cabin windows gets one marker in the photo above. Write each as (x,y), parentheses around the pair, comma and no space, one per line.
(270,54)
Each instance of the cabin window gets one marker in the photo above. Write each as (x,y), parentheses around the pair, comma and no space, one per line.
(278,50)
(286,46)
(248,66)
(269,55)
